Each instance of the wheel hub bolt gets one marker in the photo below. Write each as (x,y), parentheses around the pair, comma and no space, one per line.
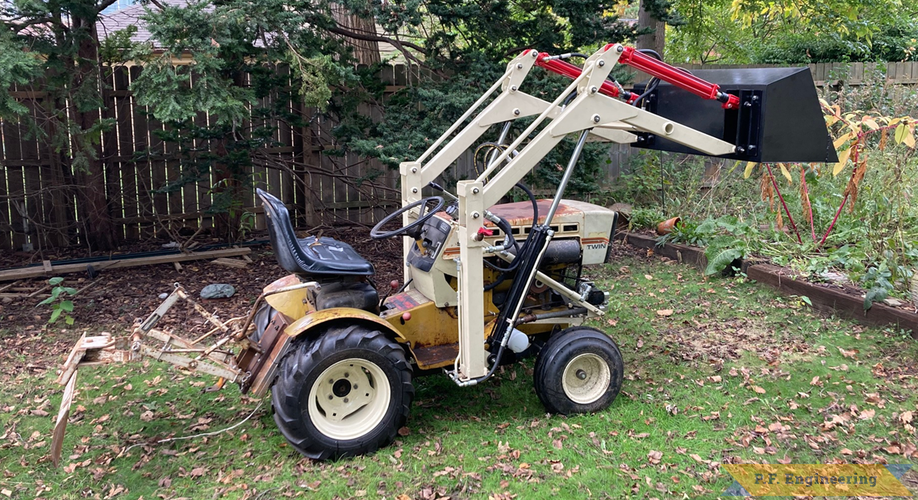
(346,400)
(581,374)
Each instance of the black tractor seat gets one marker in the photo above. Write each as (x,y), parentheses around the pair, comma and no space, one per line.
(310,255)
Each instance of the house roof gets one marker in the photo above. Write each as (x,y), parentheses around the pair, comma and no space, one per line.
(130,16)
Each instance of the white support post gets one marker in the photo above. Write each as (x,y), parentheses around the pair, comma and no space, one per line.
(472,354)
(411,192)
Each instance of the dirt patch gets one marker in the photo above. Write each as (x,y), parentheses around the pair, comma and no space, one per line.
(114,299)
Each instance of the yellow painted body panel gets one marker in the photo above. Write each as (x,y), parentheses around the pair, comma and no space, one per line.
(326,316)
(293,304)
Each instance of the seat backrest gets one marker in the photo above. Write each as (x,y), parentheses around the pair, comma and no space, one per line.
(280,227)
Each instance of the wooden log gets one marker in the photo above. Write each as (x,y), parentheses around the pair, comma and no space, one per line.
(239,264)
(36,272)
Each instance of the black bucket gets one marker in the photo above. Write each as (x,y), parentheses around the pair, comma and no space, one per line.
(778,120)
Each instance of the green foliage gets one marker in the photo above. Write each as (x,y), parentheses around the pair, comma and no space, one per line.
(786,32)
(877,283)
(466,45)
(726,240)
(16,67)
(645,218)
(689,232)
(59,301)
(652,178)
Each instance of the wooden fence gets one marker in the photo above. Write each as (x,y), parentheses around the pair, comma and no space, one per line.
(38,205)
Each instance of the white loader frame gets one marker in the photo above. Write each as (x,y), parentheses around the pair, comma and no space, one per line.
(605,118)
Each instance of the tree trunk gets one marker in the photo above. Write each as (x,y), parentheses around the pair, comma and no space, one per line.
(98,226)
(657,38)
(366,52)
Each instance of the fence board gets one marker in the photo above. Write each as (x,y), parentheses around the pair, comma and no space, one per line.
(125,196)
(138,177)
(32,200)
(12,133)
(6,233)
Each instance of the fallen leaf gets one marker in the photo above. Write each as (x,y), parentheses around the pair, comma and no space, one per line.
(758,389)
(906,417)
(847,354)
(404,431)
(867,414)
(654,456)
(664,312)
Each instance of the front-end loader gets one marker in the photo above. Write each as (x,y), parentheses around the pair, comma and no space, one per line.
(486,283)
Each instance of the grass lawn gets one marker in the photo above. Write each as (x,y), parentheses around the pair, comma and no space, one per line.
(717,370)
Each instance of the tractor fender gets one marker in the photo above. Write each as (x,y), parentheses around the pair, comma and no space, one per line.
(340,315)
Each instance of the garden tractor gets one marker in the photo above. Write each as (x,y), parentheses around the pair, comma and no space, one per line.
(485,283)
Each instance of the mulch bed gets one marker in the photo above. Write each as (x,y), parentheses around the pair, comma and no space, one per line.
(117,298)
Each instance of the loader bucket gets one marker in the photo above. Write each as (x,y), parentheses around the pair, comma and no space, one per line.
(778,119)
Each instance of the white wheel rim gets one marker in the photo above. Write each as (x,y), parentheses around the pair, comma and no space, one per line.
(586,378)
(349,399)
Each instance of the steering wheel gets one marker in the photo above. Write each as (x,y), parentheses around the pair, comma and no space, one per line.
(413,228)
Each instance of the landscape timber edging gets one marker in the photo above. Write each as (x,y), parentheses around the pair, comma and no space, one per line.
(823,298)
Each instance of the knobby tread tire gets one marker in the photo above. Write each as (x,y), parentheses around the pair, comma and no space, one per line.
(308,358)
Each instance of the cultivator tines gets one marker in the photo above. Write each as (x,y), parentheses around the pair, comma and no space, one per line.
(146,340)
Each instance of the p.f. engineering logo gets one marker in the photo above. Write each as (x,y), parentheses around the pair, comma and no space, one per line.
(871,480)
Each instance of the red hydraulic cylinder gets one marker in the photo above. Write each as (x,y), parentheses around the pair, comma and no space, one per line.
(569,70)
(676,76)
(651,66)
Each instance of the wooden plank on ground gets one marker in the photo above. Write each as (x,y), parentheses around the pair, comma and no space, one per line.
(37,271)
(238,264)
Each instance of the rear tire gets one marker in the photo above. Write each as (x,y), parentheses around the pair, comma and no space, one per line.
(345,393)
(262,319)
(579,370)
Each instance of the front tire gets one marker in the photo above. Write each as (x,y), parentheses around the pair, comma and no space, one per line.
(345,393)
(579,370)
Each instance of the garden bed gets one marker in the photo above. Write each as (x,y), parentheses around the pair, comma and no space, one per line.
(843,301)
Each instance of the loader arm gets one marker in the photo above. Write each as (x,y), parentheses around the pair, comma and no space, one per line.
(600,110)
